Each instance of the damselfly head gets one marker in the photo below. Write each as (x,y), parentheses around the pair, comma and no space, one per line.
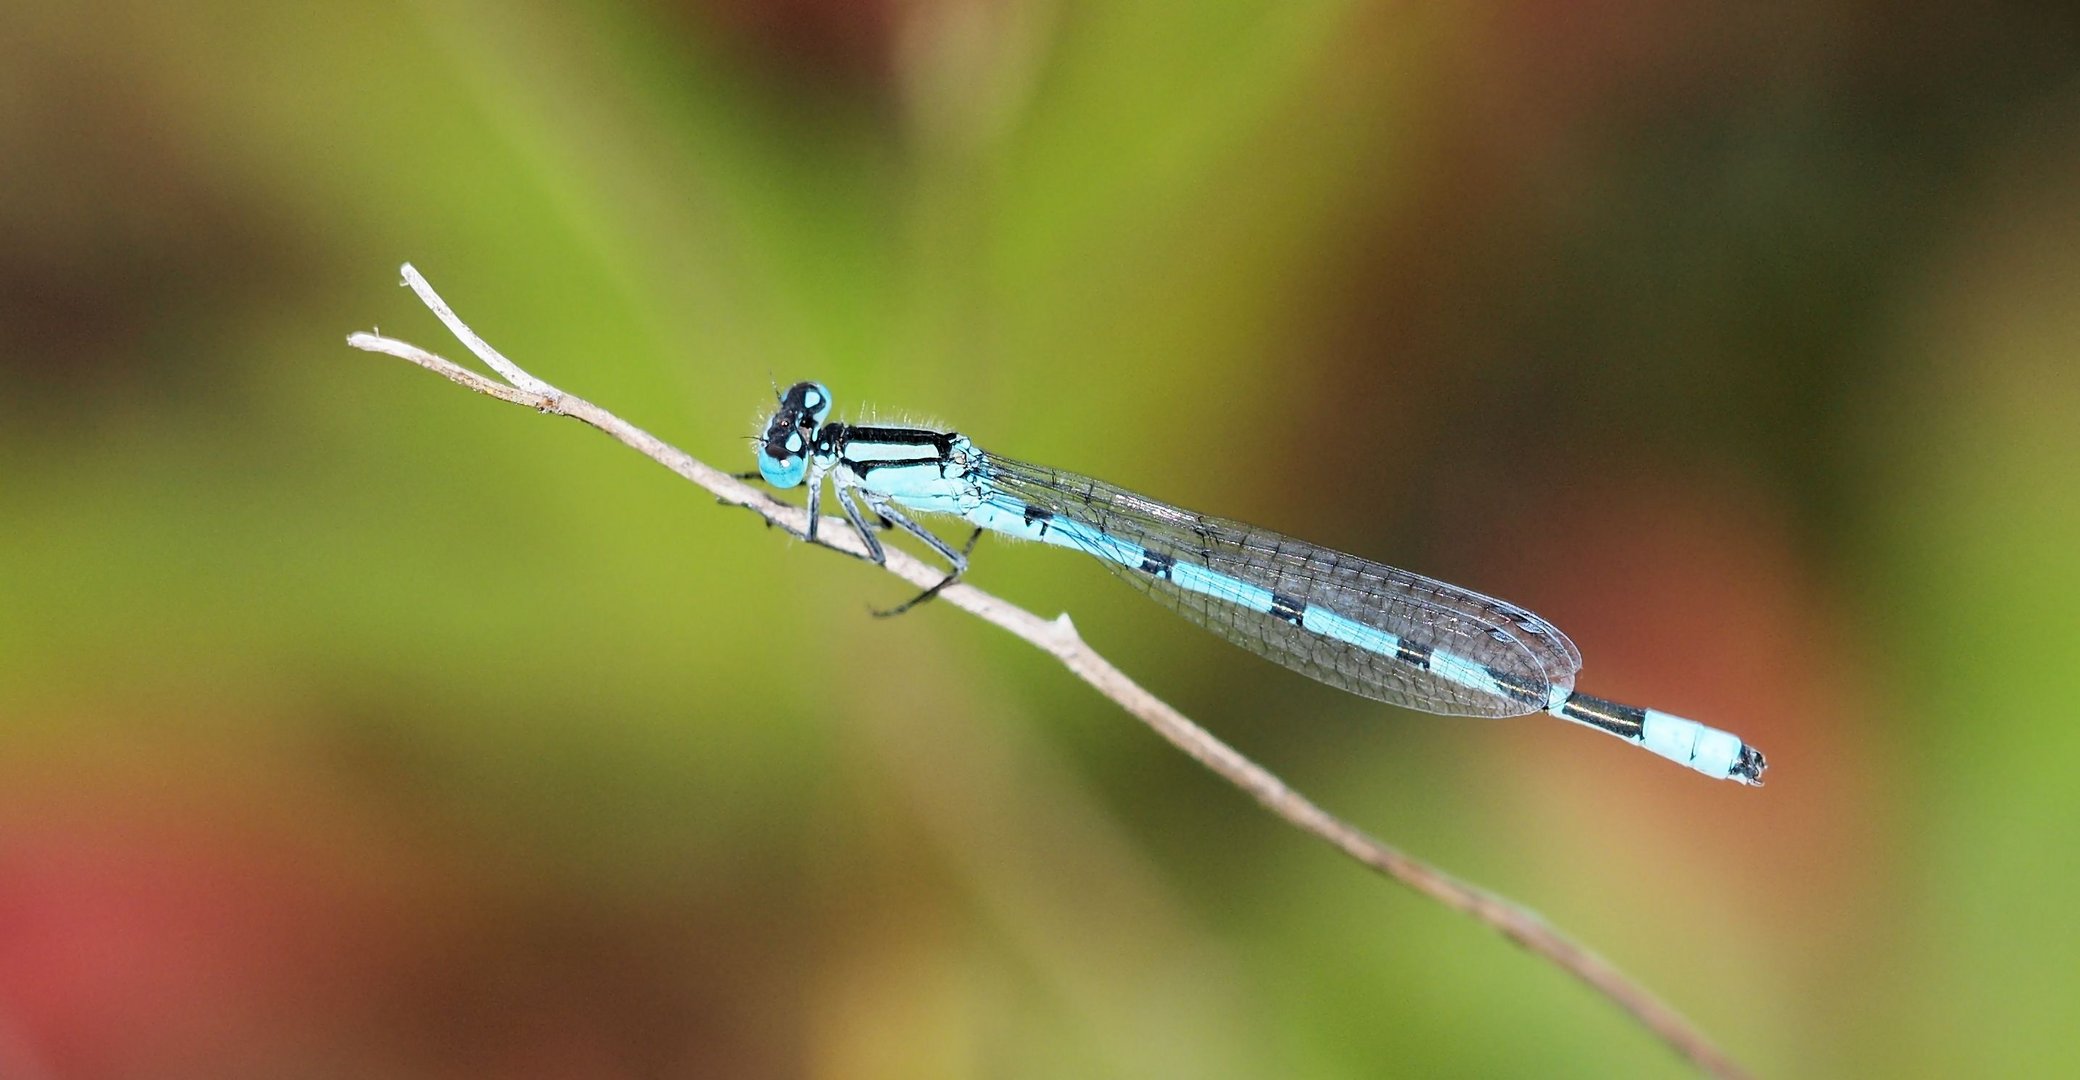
(783,451)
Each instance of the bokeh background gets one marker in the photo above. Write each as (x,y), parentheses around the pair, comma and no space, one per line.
(354,725)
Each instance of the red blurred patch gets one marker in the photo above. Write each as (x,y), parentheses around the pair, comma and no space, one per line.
(147,930)
(197,916)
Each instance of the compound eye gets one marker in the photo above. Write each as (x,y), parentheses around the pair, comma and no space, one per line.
(816,402)
(782,471)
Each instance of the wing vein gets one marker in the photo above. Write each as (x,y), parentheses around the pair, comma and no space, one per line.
(1529,655)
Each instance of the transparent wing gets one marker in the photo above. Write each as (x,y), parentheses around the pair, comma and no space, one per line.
(1528,654)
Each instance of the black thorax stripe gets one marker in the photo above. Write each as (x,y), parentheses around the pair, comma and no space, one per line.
(934,446)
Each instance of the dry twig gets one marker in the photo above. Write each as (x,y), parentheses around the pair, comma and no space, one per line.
(1059,638)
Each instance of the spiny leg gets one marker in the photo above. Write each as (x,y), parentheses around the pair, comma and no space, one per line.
(957,561)
(859,525)
(873,553)
(880,522)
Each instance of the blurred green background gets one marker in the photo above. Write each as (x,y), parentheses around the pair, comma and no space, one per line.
(354,725)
